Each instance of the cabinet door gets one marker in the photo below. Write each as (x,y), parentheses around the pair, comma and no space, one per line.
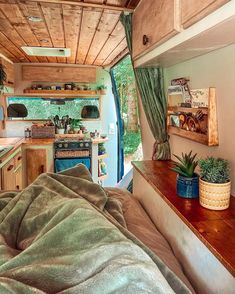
(18,178)
(194,10)
(157,20)
(9,69)
(8,176)
(36,163)
(59,74)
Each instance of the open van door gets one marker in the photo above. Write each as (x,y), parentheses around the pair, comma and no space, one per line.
(120,130)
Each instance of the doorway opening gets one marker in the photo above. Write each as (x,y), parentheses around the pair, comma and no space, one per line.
(124,79)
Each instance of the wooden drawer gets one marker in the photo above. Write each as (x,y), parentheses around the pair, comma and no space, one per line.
(8,176)
(18,159)
(157,20)
(195,10)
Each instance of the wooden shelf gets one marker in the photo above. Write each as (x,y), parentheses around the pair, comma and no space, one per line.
(172,109)
(102,156)
(209,123)
(102,178)
(73,92)
(200,138)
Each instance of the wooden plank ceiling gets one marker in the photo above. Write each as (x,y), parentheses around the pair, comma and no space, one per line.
(94,34)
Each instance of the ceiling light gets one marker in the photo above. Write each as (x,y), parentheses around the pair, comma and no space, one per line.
(46,51)
(34,18)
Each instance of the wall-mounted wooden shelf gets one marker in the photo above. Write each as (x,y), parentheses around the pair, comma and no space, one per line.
(187,109)
(64,92)
(200,138)
(211,137)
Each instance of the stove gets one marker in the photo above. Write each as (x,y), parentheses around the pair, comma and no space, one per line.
(65,144)
(70,152)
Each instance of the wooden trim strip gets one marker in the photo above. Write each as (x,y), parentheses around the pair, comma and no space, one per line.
(83,4)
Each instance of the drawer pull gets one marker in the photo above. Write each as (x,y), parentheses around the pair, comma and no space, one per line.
(19,158)
(17,187)
(145,39)
(42,169)
(10,167)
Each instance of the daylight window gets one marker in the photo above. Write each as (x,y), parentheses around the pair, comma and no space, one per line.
(43,108)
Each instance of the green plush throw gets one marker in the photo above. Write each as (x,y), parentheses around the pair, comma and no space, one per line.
(56,236)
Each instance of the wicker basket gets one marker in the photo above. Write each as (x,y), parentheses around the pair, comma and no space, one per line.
(214,196)
(43,131)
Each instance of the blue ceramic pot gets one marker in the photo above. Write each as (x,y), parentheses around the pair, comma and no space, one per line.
(187,187)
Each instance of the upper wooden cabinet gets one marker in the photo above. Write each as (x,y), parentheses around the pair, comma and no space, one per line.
(59,74)
(194,10)
(9,69)
(154,22)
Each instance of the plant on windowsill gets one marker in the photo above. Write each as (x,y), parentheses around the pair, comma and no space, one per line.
(214,183)
(76,125)
(101,89)
(101,149)
(3,77)
(187,183)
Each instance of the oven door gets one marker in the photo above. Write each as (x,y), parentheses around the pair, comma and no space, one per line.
(65,163)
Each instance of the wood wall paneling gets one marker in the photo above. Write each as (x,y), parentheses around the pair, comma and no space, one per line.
(90,21)
(94,34)
(58,74)
(71,29)
(113,41)
(107,23)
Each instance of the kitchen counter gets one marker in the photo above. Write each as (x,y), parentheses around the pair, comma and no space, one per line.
(16,142)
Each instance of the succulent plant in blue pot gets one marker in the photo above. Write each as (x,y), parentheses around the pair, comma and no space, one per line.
(187,185)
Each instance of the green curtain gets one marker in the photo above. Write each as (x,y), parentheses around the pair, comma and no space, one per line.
(150,86)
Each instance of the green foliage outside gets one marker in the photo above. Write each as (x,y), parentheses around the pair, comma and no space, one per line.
(131,142)
(125,84)
(125,79)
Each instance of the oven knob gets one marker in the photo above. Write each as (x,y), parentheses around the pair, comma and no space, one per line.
(66,145)
(81,144)
(87,145)
(60,145)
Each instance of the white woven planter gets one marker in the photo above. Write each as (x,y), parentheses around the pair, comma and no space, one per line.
(214,196)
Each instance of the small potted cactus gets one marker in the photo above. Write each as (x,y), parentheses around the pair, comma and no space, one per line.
(214,183)
(187,180)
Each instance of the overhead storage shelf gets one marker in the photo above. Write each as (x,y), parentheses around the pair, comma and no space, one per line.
(215,31)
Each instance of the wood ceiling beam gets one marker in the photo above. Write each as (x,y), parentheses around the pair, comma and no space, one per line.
(85,4)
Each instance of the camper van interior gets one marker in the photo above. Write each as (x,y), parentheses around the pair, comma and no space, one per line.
(117,165)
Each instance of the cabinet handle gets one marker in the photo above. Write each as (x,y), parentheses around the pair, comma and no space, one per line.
(19,158)
(145,39)
(42,169)
(10,167)
(17,187)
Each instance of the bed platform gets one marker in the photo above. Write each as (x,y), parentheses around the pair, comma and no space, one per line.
(66,234)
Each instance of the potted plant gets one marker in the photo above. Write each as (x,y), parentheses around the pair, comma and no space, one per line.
(3,77)
(187,180)
(76,125)
(101,89)
(101,149)
(214,183)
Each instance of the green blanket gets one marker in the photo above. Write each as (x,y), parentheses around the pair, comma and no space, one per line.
(56,236)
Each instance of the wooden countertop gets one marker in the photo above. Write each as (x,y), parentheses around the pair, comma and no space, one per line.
(18,141)
(216,229)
